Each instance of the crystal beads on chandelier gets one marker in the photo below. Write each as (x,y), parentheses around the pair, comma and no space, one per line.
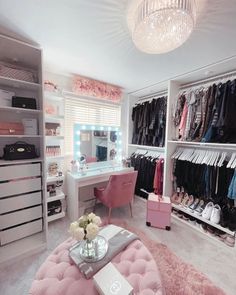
(159,26)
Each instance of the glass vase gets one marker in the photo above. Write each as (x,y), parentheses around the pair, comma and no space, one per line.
(88,251)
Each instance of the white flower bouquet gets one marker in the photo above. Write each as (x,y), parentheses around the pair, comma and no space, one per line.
(86,227)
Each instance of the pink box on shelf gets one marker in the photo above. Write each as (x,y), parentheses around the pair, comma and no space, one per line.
(158,211)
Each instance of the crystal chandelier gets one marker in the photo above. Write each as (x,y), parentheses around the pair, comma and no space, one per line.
(159,26)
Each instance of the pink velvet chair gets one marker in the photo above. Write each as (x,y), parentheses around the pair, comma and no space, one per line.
(118,192)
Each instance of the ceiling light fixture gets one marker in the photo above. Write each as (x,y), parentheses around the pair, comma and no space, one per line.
(159,26)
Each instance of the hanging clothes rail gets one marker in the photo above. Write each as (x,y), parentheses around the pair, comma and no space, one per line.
(152,96)
(209,81)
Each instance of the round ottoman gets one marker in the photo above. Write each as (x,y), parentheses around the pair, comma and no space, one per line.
(59,276)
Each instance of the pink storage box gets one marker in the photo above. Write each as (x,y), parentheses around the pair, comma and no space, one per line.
(158,211)
(11,128)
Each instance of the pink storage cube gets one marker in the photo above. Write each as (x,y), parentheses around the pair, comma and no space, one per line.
(158,211)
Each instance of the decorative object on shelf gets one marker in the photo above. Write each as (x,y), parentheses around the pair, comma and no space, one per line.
(54,207)
(89,87)
(53,129)
(50,86)
(74,167)
(53,151)
(24,102)
(19,150)
(85,230)
(11,128)
(51,190)
(51,109)
(18,72)
(53,169)
(161,26)
(30,126)
(6,98)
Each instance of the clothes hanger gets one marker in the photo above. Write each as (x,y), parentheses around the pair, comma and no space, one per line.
(231,160)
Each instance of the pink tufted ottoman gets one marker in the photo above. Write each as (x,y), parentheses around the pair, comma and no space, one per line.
(59,276)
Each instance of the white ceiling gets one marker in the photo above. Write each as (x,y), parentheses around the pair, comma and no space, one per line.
(90,37)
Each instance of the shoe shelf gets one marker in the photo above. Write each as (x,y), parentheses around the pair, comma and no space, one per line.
(195,227)
(223,229)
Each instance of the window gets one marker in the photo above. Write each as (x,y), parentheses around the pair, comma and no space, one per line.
(88,111)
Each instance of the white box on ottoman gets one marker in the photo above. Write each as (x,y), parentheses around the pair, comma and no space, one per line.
(109,281)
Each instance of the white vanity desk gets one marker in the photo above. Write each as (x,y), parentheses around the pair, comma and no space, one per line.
(80,187)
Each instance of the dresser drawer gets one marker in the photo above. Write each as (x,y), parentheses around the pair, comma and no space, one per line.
(20,202)
(21,216)
(19,187)
(19,232)
(20,171)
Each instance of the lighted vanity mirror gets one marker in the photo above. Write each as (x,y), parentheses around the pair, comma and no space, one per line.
(96,143)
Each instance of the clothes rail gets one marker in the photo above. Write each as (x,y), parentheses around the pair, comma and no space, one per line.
(152,96)
(210,81)
(209,145)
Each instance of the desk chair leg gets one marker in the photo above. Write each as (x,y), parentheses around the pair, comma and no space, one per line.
(95,205)
(130,207)
(109,215)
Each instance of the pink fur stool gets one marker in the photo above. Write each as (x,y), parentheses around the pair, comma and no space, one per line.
(59,276)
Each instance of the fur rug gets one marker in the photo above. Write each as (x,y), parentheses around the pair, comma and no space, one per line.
(179,278)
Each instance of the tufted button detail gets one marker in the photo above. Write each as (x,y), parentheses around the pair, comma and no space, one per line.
(58,275)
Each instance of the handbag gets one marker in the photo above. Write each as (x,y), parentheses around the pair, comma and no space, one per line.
(19,150)
(24,102)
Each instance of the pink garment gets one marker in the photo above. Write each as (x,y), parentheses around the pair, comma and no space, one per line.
(158,177)
(59,276)
(183,121)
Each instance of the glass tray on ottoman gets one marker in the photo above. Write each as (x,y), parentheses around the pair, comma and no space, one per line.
(89,252)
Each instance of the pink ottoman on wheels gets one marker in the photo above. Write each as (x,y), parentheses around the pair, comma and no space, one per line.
(59,276)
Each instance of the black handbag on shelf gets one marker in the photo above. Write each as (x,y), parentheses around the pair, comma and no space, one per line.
(24,102)
(19,150)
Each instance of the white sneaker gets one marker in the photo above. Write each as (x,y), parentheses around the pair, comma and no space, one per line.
(215,214)
(206,213)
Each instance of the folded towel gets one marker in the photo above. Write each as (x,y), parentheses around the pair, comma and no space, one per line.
(118,239)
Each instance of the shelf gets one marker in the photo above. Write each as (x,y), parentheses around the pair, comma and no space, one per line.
(55,178)
(154,148)
(56,216)
(19,110)
(21,136)
(54,158)
(53,95)
(226,230)
(204,144)
(54,117)
(4,162)
(54,137)
(4,81)
(60,196)
(199,230)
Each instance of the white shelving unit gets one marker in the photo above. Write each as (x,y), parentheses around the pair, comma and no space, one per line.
(56,100)
(173,87)
(22,202)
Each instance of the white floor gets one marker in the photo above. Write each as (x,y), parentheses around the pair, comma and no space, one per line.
(217,261)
